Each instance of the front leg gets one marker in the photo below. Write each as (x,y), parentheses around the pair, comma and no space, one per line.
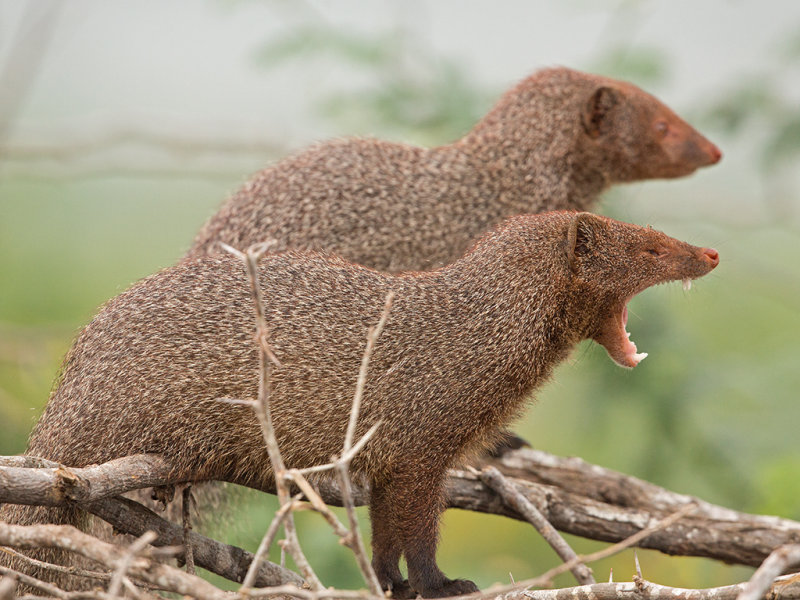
(386,549)
(415,500)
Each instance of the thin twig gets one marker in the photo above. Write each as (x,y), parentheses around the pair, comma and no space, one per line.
(355,541)
(75,571)
(642,590)
(228,561)
(775,564)
(351,538)
(518,589)
(372,336)
(186,510)
(546,578)
(133,552)
(38,584)
(511,496)
(57,568)
(317,503)
(70,539)
(325,594)
(131,589)
(262,408)
(348,457)
(266,543)
(74,149)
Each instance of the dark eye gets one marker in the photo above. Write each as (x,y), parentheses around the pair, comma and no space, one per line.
(654,252)
(661,128)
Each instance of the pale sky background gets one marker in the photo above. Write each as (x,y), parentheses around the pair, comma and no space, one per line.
(187,68)
(146,62)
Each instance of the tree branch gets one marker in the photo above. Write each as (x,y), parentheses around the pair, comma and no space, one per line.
(576,497)
(598,503)
(113,557)
(31,480)
(263,412)
(782,589)
(511,496)
(227,561)
(776,563)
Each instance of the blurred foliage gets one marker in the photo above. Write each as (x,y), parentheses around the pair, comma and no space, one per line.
(407,92)
(713,411)
(759,102)
(764,108)
(644,65)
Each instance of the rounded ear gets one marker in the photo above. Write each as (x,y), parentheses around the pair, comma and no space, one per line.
(580,238)
(596,111)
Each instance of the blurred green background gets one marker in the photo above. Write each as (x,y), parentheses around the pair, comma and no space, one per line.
(124,125)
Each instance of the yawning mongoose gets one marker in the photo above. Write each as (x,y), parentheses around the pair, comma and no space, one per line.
(464,346)
(555,141)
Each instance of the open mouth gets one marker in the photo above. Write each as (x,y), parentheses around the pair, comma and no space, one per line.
(617,341)
(614,337)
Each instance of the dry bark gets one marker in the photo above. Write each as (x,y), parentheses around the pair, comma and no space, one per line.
(514,499)
(598,503)
(31,480)
(109,555)
(575,496)
(784,588)
(225,560)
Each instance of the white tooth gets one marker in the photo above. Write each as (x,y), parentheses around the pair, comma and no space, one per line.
(687,284)
(628,334)
(637,358)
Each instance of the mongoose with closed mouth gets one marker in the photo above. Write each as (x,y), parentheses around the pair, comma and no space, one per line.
(555,141)
(463,348)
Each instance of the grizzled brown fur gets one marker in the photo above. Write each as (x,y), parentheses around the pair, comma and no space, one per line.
(553,142)
(462,350)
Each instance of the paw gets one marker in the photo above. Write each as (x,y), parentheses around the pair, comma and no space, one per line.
(452,587)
